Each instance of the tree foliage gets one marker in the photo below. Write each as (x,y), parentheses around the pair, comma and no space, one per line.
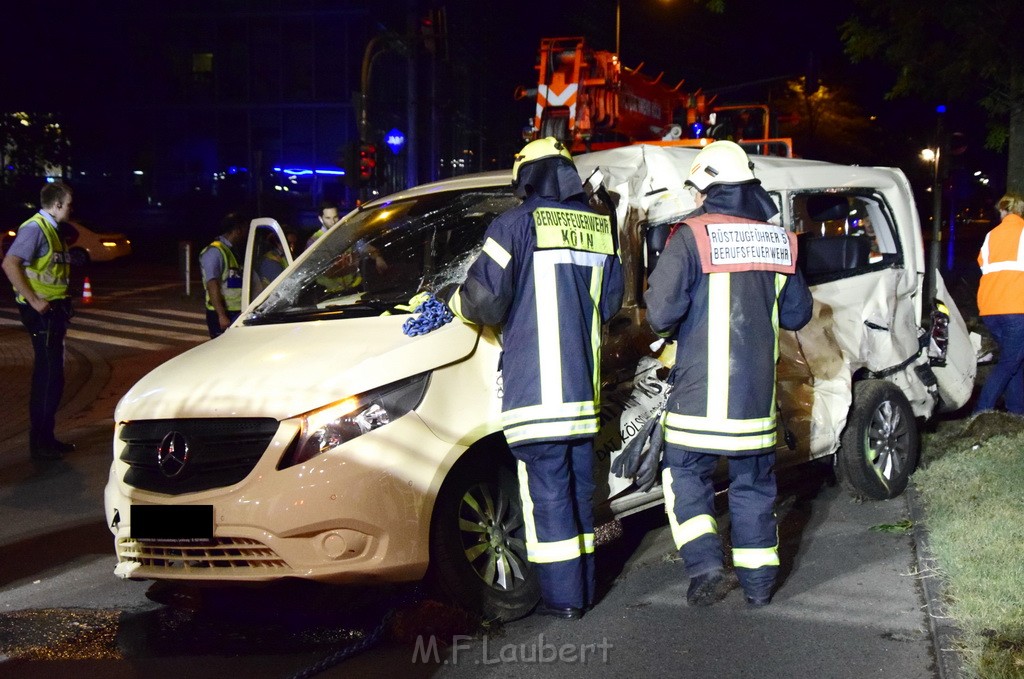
(32,144)
(958,50)
(825,124)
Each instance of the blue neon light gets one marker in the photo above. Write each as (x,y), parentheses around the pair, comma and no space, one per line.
(302,171)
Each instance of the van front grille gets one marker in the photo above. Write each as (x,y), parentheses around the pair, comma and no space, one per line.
(180,456)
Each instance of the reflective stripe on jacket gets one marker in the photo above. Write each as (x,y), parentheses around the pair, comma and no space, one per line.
(549,272)
(48,275)
(230,278)
(726,323)
(1002,269)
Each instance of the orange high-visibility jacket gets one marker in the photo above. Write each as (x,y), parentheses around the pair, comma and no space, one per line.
(1001,259)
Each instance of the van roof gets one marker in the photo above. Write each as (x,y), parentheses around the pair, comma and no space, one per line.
(669,165)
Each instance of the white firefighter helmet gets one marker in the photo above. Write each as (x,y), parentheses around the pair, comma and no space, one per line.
(720,162)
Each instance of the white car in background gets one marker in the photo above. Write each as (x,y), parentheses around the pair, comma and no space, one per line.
(84,244)
(314,439)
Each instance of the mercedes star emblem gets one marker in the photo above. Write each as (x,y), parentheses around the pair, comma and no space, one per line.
(172,455)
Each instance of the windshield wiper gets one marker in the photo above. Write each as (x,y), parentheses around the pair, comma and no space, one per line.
(355,310)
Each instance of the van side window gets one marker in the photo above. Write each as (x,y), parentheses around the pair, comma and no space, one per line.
(842,234)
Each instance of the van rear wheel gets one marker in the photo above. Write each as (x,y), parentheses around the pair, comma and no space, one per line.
(477,546)
(880,445)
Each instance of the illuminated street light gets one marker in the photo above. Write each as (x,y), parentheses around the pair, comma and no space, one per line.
(928,155)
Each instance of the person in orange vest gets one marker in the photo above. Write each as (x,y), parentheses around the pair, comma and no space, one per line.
(38,266)
(1001,306)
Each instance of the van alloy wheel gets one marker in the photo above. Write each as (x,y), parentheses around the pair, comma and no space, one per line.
(489,524)
(477,540)
(880,445)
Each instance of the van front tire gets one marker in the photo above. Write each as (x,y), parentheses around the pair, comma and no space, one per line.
(477,546)
(880,445)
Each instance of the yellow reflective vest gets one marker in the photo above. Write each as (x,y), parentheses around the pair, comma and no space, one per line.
(48,275)
(230,278)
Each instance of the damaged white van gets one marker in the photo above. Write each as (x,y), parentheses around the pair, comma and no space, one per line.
(315,439)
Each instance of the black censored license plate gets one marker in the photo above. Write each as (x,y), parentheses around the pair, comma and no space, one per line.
(191,524)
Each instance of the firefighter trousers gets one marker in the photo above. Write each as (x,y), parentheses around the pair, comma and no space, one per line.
(690,504)
(556,484)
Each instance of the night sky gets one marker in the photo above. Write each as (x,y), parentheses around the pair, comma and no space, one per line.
(493,44)
(84,43)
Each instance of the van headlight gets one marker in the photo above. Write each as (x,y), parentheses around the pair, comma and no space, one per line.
(327,428)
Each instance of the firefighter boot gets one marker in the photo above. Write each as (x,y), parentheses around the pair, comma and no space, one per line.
(709,588)
(758,584)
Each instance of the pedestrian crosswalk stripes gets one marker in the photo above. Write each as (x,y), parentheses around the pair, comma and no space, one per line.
(119,328)
(152,320)
(120,341)
(83,319)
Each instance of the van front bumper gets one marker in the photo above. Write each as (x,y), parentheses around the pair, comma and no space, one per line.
(358,513)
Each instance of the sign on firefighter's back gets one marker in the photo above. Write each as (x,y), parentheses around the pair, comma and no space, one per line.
(745,247)
(573,229)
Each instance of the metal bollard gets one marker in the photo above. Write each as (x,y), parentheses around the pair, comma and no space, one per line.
(185,263)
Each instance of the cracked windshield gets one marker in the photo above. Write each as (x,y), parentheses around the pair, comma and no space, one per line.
(381,257)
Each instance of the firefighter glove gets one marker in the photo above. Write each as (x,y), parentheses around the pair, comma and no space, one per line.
(650,461)
(629,461)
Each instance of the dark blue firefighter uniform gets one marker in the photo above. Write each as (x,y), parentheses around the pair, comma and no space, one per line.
(723,288)
(550,274)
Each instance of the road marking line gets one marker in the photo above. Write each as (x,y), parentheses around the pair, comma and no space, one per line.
(150,288)
(185,314)
(117,341)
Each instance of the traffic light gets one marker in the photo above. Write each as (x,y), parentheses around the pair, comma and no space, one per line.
(367,161)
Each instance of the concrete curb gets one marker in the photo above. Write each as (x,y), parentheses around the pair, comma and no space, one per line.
(945,634)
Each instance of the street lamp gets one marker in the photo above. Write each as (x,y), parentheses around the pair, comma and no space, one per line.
(935,156)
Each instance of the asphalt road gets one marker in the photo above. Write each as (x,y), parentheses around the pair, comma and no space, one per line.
(852,600)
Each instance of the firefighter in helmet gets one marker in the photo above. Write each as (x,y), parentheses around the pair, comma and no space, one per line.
(723,287)
(549,275)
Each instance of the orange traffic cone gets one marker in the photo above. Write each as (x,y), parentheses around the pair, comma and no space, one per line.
(86,292)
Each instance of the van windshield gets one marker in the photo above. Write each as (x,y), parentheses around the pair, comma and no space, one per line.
(382,256)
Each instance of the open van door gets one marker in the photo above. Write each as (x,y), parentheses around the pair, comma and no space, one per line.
(266,255)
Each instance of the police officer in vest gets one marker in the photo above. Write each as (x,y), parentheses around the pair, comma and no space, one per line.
(328,217)
(723,287)
(273,261)
(38,266)
(549,274)
(222,275)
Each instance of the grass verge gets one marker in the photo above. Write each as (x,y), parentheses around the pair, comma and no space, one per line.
(972,486)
